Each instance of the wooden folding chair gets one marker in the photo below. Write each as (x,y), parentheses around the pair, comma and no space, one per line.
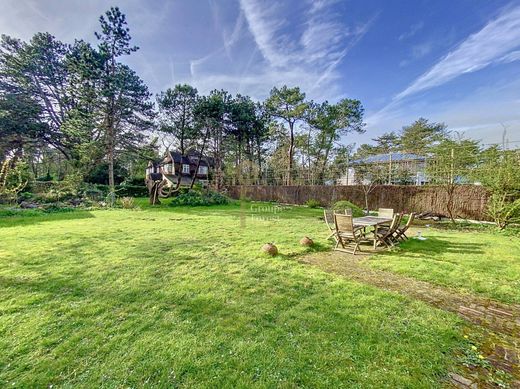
(328,216)
(385,212)
(400,233)
(348,235)
(385,235)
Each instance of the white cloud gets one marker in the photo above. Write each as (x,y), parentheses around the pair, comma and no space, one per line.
(414,29)
(479,114)
(487,46)
(231,39)
(312,49)
(264,23)
(511,57)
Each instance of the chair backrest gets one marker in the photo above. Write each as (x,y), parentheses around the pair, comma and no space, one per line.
(400,216)
(411,218)
(385,212)
(344,223)
(395,221)
(328,215)
(346,211)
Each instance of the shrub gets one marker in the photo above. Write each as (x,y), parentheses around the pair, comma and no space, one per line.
(217,198)
(132,190)
(13,179)
(57,208)
(343,204)
(9,212)
(24,196)
(500,175)
(127,202)
(195,198)
(93,193)
(312,203)
(503,211)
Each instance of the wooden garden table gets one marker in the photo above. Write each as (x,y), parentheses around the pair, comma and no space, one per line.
(371,221)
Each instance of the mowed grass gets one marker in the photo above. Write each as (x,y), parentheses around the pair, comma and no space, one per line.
(183,297)
(485,263)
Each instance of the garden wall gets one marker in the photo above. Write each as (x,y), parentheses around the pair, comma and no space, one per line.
(469,200)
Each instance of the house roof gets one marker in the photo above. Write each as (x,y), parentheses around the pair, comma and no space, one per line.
(176,156)
(191,157)
(386,158)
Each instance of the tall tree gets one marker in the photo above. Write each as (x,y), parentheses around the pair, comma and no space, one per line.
(331,122)
(125,98)
(20,125)
(247,132)
(38,70)
(212,118)
(288,105)
(176,116)
(420,136)
(388,142)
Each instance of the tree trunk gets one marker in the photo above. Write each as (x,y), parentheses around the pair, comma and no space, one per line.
(198,162)
(290,154)
(110,159)
(449,204)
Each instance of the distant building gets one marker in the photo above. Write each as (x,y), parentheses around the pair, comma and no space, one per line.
(175,166)
(397,168)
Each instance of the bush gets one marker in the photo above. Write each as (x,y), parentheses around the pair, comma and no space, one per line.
(127,190)
(10,212)
(137,181)
(312,203)
(344,204)
(24,196)
(503,210)
(194,198)
(57,208)
(127,202)
(93,193)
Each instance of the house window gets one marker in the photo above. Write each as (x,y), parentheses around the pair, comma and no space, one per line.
(203,170)
(185,169)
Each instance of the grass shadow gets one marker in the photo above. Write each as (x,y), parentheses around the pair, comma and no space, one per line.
(434,245)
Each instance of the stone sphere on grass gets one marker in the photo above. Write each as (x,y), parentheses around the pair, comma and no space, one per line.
(306,241)
(270,249)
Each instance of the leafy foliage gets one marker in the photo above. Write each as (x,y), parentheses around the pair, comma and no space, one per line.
(199,198)
(289,106)
(312,203)
(176,114)
(345,204)
(127,202)
(449,165)
(13,179)
(499,172)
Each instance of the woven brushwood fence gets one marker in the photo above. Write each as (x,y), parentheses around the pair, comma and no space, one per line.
(469,201)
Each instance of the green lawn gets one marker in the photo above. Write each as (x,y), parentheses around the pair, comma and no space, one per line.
(182,297)
(478,262)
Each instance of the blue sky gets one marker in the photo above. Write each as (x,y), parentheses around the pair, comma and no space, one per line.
(453,61)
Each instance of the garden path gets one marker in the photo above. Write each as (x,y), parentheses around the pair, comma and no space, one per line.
(498,322)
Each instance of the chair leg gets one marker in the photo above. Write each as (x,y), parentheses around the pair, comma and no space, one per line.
(382,240)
